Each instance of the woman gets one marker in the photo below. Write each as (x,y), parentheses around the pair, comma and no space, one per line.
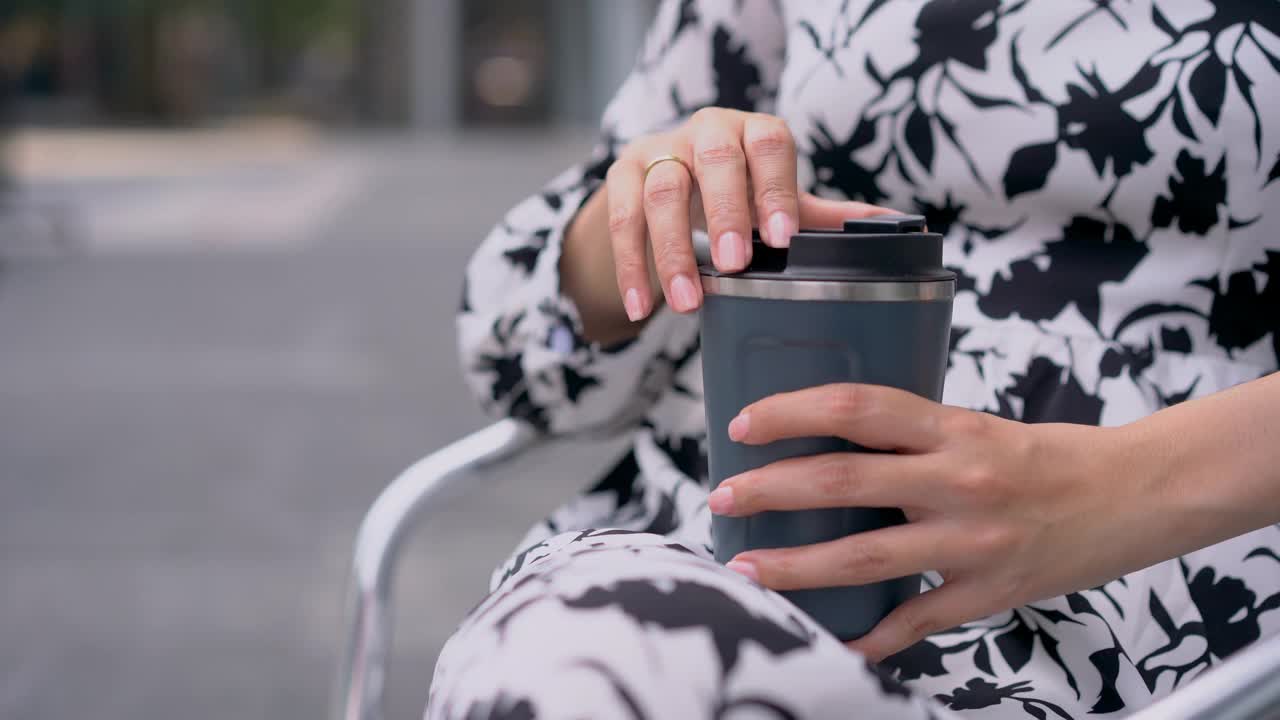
(1099,490)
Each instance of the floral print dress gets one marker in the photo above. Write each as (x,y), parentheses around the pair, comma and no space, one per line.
(1105,175)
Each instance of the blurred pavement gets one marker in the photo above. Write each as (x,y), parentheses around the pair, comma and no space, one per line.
(252,335)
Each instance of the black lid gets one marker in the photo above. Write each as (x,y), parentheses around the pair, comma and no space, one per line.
(887,248)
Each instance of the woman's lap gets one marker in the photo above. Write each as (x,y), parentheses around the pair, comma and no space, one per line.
(611,623)
(630,625)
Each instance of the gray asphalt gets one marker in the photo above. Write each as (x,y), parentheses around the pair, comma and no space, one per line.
(190,433)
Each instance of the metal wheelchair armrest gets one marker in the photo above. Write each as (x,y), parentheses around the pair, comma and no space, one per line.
(360,683)
(1244,687)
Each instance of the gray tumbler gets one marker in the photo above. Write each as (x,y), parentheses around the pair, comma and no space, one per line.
(869,304)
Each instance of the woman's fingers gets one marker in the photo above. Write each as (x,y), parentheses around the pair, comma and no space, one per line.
(822,213)
(667,188)
(872,416)
(834,480)
(771,158)
(859,559)
(945,607)
(628,236)
(721,168)
(739,165)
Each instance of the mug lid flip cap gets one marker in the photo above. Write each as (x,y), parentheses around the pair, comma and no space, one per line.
(888,257)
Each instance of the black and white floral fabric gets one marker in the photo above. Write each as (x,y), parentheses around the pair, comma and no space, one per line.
(1105,174)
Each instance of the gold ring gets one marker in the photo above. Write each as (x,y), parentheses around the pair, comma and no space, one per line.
(665,158)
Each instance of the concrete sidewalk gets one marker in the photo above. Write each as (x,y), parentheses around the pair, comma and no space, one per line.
(192,425)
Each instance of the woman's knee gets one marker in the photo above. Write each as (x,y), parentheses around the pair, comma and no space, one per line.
(580,624)
(607,625)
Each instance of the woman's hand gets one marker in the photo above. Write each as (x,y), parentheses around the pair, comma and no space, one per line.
(736,170)
(1007,512)
(733,171)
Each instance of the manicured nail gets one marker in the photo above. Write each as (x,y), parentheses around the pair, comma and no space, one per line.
(720,501)
(635,308)
(745,568)
(733,253)
(780,230)
(684,297)
(738,427)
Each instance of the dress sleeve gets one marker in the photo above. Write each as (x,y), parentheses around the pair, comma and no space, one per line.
(520,338)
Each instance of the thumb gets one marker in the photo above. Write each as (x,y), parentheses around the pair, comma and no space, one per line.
(942,608)
(821,213)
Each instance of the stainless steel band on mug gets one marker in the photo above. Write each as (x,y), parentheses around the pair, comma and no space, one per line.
(865,291)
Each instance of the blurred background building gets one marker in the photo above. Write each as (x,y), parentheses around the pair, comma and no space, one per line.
(407,63)
(231,241)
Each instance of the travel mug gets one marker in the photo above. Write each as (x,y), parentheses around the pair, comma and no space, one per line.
(867,304)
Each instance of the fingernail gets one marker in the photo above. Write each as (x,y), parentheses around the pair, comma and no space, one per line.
(635,308)
(745,569)
(738,427)
(720,501)
(780,230)
(733,256)
(683,295)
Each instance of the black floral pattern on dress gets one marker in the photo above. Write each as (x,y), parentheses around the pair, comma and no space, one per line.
(1195,195)
(1090,251)
(978,694)
(1233,321)
(699,606)
(1230,609)
(835,166)
(959,30)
